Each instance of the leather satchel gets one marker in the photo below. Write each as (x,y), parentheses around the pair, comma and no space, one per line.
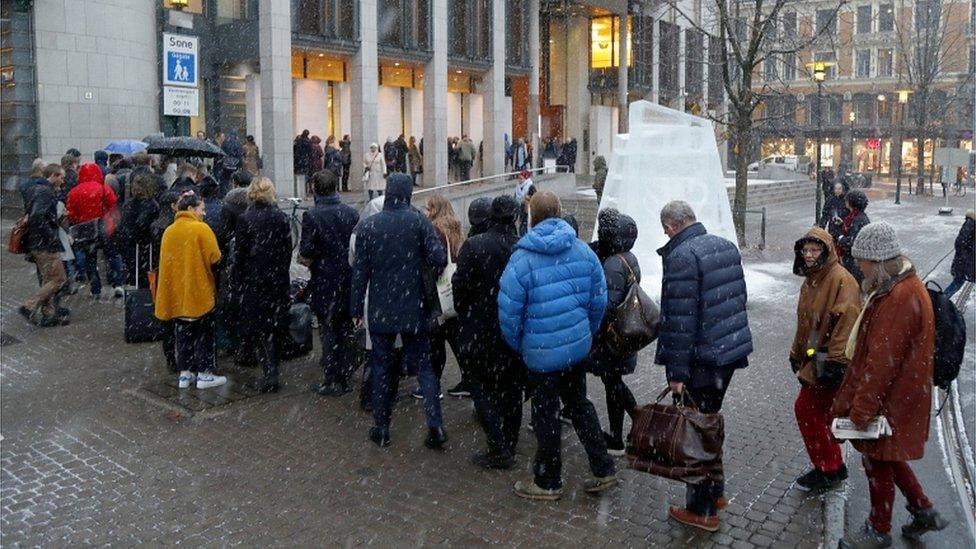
(18,236)
(677,441)
(634,323)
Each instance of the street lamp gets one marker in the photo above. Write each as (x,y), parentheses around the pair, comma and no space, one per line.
(819,71)
(852,117)
(902,100)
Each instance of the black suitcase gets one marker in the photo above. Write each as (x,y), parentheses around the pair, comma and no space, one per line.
(295,335)
(141,324)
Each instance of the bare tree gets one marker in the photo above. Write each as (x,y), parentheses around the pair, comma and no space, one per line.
(932,47)
(749,34)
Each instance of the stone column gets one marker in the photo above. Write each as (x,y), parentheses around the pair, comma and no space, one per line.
(577,85)
(274,39)
(494,97)
(435,100)
(534,60)
(364,86)
(252,94)
(682,77)
(656,63)
(622,84)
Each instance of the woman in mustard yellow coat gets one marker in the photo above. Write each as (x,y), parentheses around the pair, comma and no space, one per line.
(186,292)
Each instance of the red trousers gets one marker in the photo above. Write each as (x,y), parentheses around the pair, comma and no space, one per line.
(813,417)
(883,476)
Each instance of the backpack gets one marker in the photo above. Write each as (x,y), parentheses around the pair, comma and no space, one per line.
(950,337)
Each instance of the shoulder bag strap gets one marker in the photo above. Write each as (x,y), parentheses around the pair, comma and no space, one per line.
(631,277)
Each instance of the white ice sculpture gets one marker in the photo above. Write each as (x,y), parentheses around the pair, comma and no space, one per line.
(668,155)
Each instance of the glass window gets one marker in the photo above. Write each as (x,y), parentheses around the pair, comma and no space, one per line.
(789,24)
(862,63)
(515,39)
(458,24)
(716,84)
(828,56)
(604,37)
(468,29)
(863,19)
(927,14)
(669,46)
(886,18)
(789,67)
(885,62)
(308,17)
(346,27)
(694,49)
(403,24)
(769,69)
(390,22)
(827,22)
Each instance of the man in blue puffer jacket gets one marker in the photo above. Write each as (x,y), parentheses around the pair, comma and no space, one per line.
(551,301)
(704,333)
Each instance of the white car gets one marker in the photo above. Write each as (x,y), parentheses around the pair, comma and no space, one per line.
(788,161)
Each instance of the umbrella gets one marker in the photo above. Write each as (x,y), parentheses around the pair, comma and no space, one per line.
(183,146)
(125,146)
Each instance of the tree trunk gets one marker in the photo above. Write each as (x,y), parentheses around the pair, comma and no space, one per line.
(920,163)
(743,131)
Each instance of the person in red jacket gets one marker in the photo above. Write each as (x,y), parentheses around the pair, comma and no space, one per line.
(92,199)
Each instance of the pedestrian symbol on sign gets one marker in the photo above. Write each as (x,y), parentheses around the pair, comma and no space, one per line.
(181,67)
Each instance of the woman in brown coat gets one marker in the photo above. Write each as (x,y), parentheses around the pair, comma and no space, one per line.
(890,375)
(830,301)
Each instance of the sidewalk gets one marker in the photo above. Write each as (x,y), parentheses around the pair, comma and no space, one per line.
(85,461)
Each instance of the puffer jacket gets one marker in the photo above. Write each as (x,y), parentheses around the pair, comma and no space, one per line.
(91,198)
(830,300)
(552,297)
(704,327)
(615,240)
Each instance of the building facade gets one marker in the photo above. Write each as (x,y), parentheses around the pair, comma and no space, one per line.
(83,73)
(875,49)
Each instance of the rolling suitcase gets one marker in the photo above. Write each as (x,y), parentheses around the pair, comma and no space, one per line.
(141,324)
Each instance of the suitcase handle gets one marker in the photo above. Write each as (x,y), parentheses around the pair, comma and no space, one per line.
(137,262)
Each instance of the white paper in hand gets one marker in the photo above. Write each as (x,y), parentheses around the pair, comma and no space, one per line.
(844,429)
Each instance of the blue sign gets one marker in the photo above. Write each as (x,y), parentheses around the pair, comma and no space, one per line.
(180,60)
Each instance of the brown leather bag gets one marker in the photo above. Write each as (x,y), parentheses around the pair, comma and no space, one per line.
(677,442)
(18,237)
(634,323)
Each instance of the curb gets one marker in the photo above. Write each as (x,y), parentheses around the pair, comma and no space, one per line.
(834,513)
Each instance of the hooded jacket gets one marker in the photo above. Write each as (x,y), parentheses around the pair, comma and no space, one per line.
(392,248)
(891,369)
(964,262)
(830,300)
(186,287)
(479,216)
(704,326)
(552,297)
(616,237)
(91,198)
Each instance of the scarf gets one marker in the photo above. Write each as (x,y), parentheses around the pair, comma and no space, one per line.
(522,189)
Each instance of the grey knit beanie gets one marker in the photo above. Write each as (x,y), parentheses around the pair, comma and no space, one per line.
(876,242)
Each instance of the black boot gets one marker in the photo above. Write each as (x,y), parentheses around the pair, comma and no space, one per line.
(493,460)
(380,436)
(923,520)
(268,383)
(436,437)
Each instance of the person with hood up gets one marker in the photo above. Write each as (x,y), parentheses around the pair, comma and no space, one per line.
(374,171)
(262,256)
(324,248)
(853,222)
(393,248)
(479,216)
(101,160)
(496,373)
(616,236)
(92,199)
(964,263)
(891,350)
(551,300)
(830,300)
(186,292)
(599,176)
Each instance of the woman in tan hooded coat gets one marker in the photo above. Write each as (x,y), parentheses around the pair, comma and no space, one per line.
(829,303)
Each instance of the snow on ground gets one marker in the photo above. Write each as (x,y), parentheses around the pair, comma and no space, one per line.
(772,282)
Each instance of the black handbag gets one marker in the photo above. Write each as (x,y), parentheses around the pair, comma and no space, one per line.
(634,323)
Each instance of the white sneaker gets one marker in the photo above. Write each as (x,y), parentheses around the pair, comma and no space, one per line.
(206,381)
(119,291)
(187,378)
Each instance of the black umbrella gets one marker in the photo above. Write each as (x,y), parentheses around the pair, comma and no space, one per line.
(183,146)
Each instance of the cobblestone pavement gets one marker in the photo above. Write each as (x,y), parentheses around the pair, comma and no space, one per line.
(85,461)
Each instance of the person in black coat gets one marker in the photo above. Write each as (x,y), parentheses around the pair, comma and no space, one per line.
(401,154)
(394,248)
(964,264)
(228,294)
(262,252)
(834,211)
(345,154)
(324,248)
(615,238)
(134,233)
(497,373)
(853,222)
(479,216)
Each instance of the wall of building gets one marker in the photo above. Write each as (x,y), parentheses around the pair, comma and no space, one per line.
(97,73)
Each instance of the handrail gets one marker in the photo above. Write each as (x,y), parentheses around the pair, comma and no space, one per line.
(457,184)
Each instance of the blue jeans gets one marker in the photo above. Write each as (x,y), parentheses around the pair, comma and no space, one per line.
(954,286)
(386,371)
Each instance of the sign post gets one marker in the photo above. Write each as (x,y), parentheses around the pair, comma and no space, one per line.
(181,55)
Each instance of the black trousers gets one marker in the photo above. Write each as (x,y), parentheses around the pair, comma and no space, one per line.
(266,351)
(547,390)
(338,353)
(441,336)
(195,349)
(387,366)
(497,386)
(169,344)
(346,168)
(620,400)
(700,498)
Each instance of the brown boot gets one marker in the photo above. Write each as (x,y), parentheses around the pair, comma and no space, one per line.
(684,516)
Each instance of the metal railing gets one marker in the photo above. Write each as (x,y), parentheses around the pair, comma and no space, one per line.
(501,176)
